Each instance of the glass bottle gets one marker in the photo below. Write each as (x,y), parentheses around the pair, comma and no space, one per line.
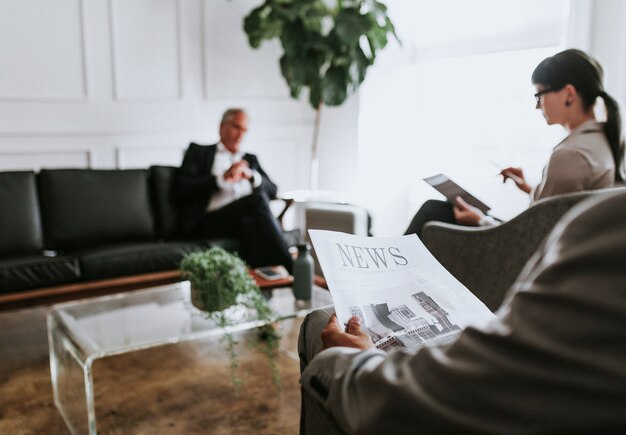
(303,273)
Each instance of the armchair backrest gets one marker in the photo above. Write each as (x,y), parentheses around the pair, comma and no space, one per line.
(488,260)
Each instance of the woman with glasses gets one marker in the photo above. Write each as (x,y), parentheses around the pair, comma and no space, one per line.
(568,85)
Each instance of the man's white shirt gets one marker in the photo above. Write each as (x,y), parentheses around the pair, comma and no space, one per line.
(230,191)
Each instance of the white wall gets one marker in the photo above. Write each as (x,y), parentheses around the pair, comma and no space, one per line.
(338,148)
(129,83)
(608,44)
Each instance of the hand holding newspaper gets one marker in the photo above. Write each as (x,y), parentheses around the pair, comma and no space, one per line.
(402,295)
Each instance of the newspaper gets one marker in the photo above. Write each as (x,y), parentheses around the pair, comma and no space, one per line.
(402,295)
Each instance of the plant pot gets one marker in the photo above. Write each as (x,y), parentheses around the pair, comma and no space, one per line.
(199,302)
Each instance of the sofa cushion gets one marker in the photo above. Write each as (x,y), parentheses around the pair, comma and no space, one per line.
(33,271)
(20,224)
(132,259)
(87,207)
(162,179)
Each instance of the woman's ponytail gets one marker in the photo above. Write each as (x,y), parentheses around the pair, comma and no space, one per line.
(613,132)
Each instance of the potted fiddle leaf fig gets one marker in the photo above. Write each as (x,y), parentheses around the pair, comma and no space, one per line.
(220,280)
(328,45)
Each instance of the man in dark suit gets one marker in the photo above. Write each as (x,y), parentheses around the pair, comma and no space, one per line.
(226,193)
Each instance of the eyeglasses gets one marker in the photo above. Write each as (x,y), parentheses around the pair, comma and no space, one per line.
(545,91)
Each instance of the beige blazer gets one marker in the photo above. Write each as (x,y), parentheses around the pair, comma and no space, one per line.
(581,161)
(553,361)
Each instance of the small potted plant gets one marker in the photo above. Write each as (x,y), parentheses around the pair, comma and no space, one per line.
(220,280)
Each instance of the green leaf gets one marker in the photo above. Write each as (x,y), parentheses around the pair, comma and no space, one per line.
(343,60)
(392,29)
(315,94)
(377,39)
(252,26)
(379,7)
(285,13)
(288,71)
(262,23)
(292,38)
(358,68)
(334,86)
(350,25)
(312,15)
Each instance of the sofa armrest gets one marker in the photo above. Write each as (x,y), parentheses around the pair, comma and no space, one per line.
(286,203)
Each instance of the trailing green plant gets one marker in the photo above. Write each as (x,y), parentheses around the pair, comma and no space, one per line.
(220,279)
(328,45)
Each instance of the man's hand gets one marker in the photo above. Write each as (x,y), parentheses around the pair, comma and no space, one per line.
(238,171)
(466,214)
(332,335)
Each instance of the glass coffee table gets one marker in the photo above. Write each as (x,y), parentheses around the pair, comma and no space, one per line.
(81,332)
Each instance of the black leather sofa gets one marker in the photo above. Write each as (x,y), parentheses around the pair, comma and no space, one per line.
(68,228)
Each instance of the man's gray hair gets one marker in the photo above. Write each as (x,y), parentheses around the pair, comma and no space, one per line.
(230,113)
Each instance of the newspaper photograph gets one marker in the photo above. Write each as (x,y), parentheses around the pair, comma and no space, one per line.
(403,297)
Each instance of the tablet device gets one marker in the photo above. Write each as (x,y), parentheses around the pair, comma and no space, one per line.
(451,190)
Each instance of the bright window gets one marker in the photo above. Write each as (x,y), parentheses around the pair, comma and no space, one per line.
(462,102)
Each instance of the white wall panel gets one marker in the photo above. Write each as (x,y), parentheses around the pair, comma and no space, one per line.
(41,50)
(232,68)
(98,50)
(608,44)
(279,157)
(146,48)
(44,157)
(146,155)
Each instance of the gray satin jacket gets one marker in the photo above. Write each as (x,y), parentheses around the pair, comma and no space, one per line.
(553,361)
(581,161)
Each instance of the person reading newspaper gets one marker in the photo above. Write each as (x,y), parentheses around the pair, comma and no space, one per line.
(552,361)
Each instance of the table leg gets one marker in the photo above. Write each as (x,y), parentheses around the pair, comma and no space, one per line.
(72,382)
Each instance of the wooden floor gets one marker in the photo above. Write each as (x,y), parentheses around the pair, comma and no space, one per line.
(177,389)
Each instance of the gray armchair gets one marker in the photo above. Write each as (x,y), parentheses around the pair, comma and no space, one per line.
(487,260)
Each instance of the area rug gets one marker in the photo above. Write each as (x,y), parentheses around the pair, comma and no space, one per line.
(176,389)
